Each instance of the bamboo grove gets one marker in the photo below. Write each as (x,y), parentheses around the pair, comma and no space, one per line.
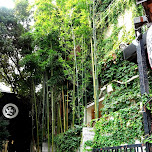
(64,37)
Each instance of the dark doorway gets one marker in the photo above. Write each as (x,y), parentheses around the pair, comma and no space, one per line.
(20,127)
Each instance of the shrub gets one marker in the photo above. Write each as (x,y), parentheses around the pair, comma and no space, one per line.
(69,141)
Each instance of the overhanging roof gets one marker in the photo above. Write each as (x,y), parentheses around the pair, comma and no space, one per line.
(92,104)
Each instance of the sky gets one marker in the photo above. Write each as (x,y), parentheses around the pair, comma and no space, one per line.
(4,88)
(7,3)
(10,3)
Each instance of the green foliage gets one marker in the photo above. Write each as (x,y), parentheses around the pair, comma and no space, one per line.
(120,127)
(22,13)
(148,140)
(69,141)
(146,101)
(14,46)
(87,145)
(4,134)
(117,69)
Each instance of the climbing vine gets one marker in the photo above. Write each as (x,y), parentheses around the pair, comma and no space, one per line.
(119,127)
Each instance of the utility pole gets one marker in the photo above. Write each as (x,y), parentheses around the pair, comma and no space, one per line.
(143,77)
(142,63)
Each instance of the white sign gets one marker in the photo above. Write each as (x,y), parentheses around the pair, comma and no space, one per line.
(10,111)
(149,45)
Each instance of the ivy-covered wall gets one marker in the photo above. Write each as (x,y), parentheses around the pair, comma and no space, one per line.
(116,27)
(121,121)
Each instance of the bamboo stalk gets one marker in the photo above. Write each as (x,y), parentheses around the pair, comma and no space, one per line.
(82,71)
(52,101)
(63,108)
(93,73)
(67,107)
(37,129)
(48,113)
(76,69)
(43,110)
(61,122)
(58,119)
(85,101)
(73,98)
(85,108)
(32,145)
(94,57)
(52,119)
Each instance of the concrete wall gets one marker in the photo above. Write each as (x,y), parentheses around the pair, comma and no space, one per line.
(45,147)
(87,134)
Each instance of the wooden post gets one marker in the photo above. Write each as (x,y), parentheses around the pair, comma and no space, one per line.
(144,85)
